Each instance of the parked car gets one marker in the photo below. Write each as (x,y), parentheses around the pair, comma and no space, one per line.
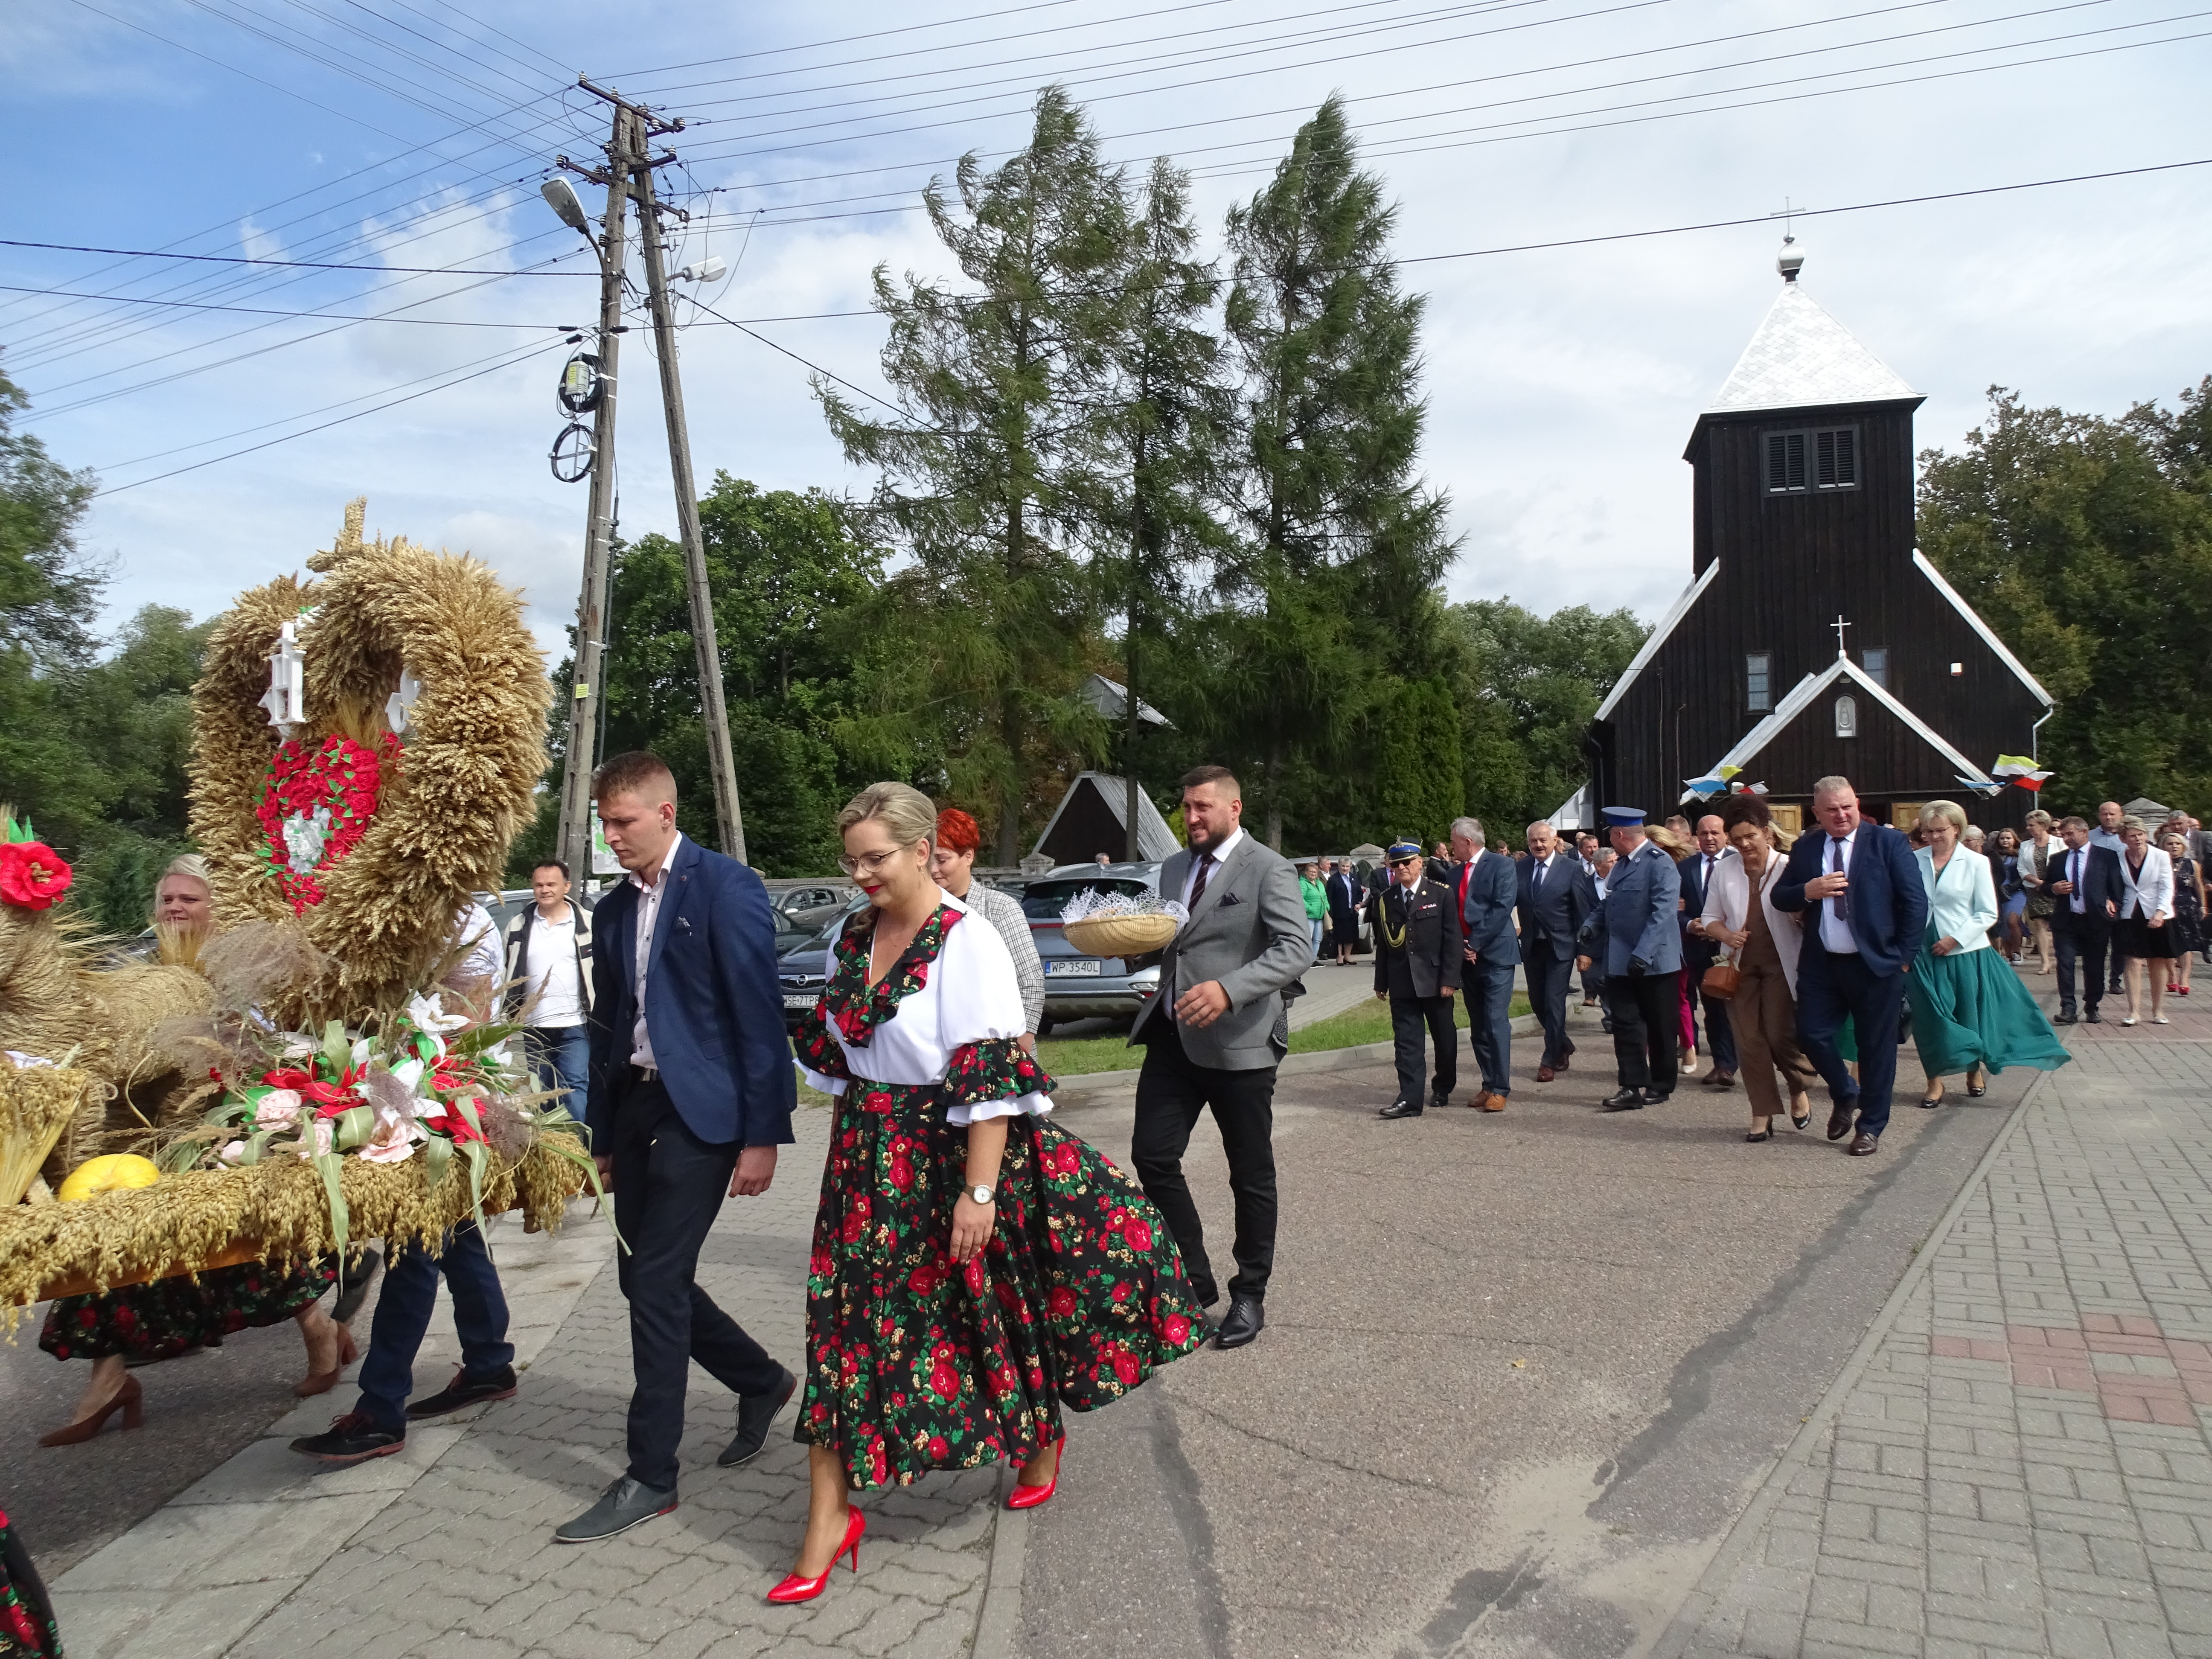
(802,957)
(1075,986)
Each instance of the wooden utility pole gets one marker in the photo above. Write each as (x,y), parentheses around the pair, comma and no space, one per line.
(629,170)
(575,832)
(721,763)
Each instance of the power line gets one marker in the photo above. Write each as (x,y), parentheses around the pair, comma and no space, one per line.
(289,264)
(794,357)
(271,443)
(848,40)
(334,316)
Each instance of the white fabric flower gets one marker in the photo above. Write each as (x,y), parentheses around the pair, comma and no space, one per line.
(278,1109)
(393,1141)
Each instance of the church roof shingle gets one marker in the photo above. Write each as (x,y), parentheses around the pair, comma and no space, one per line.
(1803,358)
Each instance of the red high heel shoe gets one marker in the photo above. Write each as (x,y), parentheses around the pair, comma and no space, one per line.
(1028,1498)
(130,1399)
(795,1588)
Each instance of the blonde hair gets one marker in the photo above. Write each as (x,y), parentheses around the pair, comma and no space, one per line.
(1947,811)
(1669,841)
(2132,822)
(908,814)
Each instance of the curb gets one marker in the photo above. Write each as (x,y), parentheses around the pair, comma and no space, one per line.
(998,1621)
(1681,1631)
(1324,1059)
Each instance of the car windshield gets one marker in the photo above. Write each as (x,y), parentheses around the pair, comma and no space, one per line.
(1043,901)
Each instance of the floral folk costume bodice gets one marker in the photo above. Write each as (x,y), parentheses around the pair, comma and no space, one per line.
(916,1362)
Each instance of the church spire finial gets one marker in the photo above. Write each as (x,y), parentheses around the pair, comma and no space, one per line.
(1790,260)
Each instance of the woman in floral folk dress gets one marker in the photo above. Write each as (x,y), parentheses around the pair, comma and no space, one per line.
(973,1267)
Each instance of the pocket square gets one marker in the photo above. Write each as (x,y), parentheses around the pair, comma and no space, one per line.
(1228,899)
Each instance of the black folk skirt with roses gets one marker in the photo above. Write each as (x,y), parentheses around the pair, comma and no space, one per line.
(915,1363)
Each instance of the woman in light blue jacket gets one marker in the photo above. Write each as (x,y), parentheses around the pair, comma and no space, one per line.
(1969,1011)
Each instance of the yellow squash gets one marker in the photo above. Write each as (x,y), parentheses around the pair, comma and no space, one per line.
(101,1174)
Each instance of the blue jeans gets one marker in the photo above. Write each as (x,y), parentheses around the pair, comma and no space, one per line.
(565,1051)
(1320,928)
(402,1315)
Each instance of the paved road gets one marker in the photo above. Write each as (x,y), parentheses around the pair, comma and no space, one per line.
(2022,1463)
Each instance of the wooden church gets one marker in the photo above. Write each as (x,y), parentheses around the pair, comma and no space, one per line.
(1814,637)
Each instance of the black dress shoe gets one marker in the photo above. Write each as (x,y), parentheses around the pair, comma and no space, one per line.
(1839,1120)
(1401,1108)
(2093,1017)
(1439,1100)
(620,1507)
(352,1438)
(755,1412)
(2065,1016)
(1864,1144)
(1657,1097)
(466,1390)
(1623,1100)
(1242,1323)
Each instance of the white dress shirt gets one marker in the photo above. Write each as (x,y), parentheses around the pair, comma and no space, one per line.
(2110,840)
(2074,864)
(648,913)
(1220,853)
(555,993)
(1835,932)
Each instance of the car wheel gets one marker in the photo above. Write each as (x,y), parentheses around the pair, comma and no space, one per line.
(1044,1026)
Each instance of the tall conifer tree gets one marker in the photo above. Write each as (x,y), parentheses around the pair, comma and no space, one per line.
(985,481)
(1341,542)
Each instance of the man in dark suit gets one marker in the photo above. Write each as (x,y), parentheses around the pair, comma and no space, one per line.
(1699,953)
(2085,890)
(1865,909)
(1487,886)
(1557,896)
(1635,934)
(1416,968)
(691,1093)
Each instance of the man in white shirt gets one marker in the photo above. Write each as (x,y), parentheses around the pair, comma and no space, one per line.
(2107,835)
(549,981)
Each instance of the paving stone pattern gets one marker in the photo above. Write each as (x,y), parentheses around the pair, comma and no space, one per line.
(447,1549)
(2022,1466)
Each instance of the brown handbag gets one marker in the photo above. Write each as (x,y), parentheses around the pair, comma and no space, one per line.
(1721,981)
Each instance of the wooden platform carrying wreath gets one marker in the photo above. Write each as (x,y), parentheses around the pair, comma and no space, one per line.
(365,744)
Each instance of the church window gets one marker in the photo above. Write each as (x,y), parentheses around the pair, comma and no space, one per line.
(1875,660)
(1847,716)
(1806,463)
(1759,682)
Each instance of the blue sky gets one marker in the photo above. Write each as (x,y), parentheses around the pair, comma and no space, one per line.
(1563,383)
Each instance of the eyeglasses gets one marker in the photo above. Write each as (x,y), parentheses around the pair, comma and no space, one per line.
(866,864)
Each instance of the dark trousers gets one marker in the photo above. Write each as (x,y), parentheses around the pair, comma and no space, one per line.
(1831,985)
(1172,1089)
(402,1315)
(1720,1036)
(1412,1019)
(1549,967)
(1647,1028)
(669,1187)
(2085,946)
(1488,988)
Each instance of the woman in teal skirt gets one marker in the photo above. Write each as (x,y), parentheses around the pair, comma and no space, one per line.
(1969,1011)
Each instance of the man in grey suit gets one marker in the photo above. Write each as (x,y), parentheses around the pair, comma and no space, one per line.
(1214,1034)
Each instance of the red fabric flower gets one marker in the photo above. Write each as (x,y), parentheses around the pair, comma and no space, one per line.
(1062,1302)
(32,876)
(1124,1367)
(937,1450)
(287,1078)
(340,777)
(1176,1329)
(945,1381)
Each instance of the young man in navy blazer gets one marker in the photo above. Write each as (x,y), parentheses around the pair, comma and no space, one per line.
(1865,909)
(691,1093)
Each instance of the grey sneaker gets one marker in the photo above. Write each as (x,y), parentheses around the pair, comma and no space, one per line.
(620,1507)
(755,1412)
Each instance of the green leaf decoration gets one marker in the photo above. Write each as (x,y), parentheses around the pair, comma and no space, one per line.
(331,1167)
(437,1158)
(352,1127)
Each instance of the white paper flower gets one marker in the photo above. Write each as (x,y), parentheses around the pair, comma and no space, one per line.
(278,1109)
(429,1014)
(233,1152)
(317,1144)
(298,1045)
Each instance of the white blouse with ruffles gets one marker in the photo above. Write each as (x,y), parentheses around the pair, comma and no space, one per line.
(970,996)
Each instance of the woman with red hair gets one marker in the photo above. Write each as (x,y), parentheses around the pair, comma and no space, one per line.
(953,868)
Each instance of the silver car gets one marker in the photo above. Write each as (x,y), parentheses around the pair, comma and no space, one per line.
(1075,986)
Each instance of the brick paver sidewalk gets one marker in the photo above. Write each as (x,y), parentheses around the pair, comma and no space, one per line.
(2016,1462)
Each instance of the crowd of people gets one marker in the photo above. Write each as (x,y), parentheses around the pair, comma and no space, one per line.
(1802,958)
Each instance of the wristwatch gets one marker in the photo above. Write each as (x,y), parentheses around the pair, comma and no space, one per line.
(983,1195)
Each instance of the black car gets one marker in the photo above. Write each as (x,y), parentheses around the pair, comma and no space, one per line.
(802,956)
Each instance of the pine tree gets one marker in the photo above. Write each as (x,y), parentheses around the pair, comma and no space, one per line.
(986,478)
(1166,422)
(1342,542)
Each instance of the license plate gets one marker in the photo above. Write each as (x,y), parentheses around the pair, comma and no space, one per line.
(797,999)
(1085,966)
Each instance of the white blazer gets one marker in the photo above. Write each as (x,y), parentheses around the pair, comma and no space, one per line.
(2151,894)
(1728,902)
